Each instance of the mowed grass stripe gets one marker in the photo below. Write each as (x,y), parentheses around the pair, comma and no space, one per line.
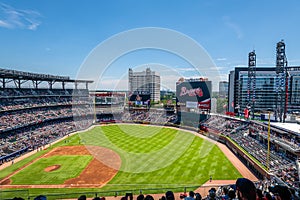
(163,157)
(70,167)
(171,162)
(74,140)
(197,161)
(140,131)
(130,143)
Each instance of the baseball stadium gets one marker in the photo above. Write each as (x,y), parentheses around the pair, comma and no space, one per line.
(62,143)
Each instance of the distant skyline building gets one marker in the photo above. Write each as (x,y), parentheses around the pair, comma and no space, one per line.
(223,89)
(265,89)
(213,105)
(144,82)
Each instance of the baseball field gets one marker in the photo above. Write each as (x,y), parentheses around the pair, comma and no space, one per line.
(119,158)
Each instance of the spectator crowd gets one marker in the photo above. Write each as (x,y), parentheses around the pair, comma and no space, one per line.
(243,189)
(32,118)
(280,164)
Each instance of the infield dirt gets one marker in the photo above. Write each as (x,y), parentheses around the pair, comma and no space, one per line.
(96,174)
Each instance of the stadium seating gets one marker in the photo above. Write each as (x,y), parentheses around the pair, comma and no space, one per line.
(32,118)
(280,164)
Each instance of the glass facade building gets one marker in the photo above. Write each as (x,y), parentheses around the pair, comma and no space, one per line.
(265,96)
(223,88)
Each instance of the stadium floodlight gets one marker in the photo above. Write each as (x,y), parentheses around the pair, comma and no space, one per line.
(269,137)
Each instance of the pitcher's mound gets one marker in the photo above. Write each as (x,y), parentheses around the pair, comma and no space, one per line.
(52,168)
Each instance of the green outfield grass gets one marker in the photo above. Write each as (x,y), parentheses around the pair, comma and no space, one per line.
(156,156)
(74,140)
(70,167)
(152,157)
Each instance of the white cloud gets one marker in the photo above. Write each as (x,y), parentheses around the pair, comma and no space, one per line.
(4,24)
(216,68)
(221,59)
(236,28)
(15,18)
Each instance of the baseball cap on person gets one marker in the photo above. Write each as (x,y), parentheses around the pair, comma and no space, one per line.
(246,187)
(282,191)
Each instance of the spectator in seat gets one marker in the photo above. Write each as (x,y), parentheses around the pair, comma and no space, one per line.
(225,193)
(182,195)
(281,192)
(130,195)
(231,194)
(191,196)
(259,195)
(82,197)
(163,198)
(198,196)
(212,194)
(268,196)
(245,189)
(40,197)
(149,197)
(170,195)
(140,197)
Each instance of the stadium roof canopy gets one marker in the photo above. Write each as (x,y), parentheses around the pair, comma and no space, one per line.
(289,127)
(19,77)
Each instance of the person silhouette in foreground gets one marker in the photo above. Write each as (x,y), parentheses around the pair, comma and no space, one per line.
(191,196)
(170,195)
(246,189)
(281,192)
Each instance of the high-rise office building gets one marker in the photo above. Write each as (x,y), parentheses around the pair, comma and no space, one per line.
(265,91)
(223,89)
(144,82)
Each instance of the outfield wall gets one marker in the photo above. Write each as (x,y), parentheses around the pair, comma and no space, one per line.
(257,169)
(252,165)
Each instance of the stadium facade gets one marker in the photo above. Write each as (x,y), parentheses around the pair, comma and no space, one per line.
(265,91)
(108,101)
(145,82)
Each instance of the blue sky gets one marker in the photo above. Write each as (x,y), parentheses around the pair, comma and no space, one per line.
(56,36)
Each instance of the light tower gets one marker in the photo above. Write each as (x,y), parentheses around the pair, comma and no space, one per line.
(251,81)
(281,82)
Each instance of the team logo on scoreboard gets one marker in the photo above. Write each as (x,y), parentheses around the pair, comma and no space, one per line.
(191,92)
